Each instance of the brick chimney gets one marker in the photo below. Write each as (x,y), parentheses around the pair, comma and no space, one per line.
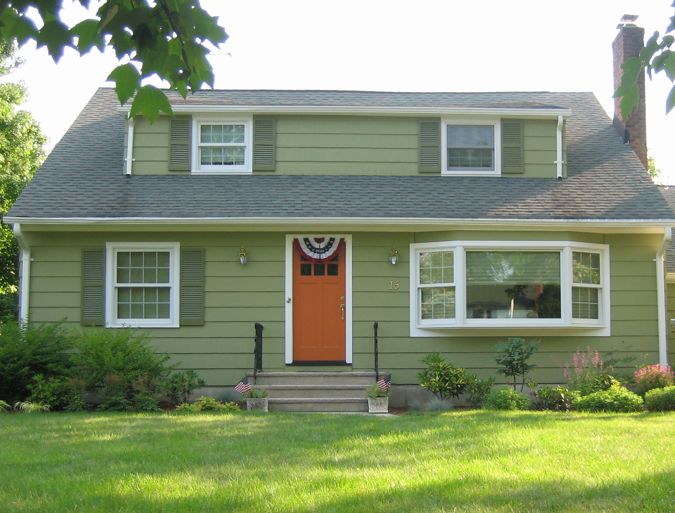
(628,43)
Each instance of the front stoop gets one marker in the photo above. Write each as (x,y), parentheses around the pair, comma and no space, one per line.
(312,391)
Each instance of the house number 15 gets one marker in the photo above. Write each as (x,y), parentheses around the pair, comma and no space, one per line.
(394,284)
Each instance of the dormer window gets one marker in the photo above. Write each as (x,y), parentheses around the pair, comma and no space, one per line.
(470,147)
(222,145)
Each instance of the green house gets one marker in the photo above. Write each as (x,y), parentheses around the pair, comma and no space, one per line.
(452,220)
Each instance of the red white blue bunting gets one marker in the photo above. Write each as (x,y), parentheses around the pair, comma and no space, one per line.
(318,249)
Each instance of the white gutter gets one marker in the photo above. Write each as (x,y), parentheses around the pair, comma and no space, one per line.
(129,161)
(358,109)
(365,221)
(661,296)
(24,272)
(559,149)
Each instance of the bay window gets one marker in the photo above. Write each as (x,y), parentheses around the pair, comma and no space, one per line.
(509,285)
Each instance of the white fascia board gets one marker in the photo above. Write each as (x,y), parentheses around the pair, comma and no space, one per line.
(354,221)
(364,110)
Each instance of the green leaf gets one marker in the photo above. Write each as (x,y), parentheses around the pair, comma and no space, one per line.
(149,102)
(88,35)
(55,36)
(127,79)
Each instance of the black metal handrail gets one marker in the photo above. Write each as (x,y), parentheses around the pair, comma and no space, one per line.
(257,351)
(376,352)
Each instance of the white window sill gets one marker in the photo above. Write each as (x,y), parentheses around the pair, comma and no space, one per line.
(503,330)
(222,172)
(470,173)
(135,324)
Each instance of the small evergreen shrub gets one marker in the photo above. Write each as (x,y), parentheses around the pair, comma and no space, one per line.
(477,389)
(506,399)
(555,398)
(660,399)
(441,378)
(28,350)
(179,385)
(121,368)
(207,404)
(652,376)
(615,399)
(513,358)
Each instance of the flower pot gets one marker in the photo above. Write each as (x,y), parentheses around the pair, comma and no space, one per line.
(257,404)
(378,405)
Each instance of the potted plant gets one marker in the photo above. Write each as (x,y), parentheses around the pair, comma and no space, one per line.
(378,399)
(256,400)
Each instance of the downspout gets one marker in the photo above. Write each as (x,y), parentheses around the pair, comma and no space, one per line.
(130,147)
(661,296)
(559,149)
(24,271)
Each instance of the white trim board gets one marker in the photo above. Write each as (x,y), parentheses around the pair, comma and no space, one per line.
(288,303)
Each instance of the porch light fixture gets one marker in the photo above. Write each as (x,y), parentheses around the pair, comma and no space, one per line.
(243,257)
(393,257)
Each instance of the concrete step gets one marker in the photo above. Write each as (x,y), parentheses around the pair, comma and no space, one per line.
(315,378)
(316,391)
(314,404)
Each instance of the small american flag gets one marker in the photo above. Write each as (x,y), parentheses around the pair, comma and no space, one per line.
(384,383)
(243,386)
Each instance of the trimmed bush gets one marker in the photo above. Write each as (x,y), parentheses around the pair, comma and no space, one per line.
(660,399)
(441,378)
(206,404)
(555,398)
(121,368)
(26,351)
(616,399)
(179,385)
(477,389)
(506,399)
(652,376)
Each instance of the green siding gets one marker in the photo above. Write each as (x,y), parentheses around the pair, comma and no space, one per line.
(237,296)
(349,145)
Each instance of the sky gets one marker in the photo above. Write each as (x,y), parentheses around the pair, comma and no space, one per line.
(391,45)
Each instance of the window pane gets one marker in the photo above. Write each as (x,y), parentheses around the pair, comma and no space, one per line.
(436,267)
(470,158)
(585,303)
(222,134)
(512,285)
(438,303)
(305,269)
(222,155)
(143,303)
(586,267)
(333,270)
(471,136)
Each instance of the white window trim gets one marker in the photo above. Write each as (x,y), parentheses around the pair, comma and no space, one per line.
(111,320)
(198,169)
(477,327)
(495,122)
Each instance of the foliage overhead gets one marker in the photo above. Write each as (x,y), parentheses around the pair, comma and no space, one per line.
(655,57)
(168,39)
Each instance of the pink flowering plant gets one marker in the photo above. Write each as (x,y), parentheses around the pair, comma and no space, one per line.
(649,377)
(588,373)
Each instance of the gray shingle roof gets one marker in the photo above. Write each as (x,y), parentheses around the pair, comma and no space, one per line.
(83,176)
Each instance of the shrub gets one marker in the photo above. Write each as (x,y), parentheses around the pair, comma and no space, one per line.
(588,373)
(179,385)
(660,399)
(121,368)
(27,350)
(477,389)
(4,407)
(29,407)
(555,398)
(441,378)
(60,393)
(208,404)
(506,399)
(258,393)
(614,399)
(513,359)
(652,376)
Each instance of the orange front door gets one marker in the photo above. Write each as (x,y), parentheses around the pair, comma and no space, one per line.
(319,308)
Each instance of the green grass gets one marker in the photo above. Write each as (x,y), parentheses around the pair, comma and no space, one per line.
(454,462)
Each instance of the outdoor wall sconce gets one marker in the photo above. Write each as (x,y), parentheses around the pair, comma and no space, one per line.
(243,257)
(393,257)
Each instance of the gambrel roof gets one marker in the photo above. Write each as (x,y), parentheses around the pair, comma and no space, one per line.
(83,176)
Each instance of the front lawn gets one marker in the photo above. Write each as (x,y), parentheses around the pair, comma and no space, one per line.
(473,461)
